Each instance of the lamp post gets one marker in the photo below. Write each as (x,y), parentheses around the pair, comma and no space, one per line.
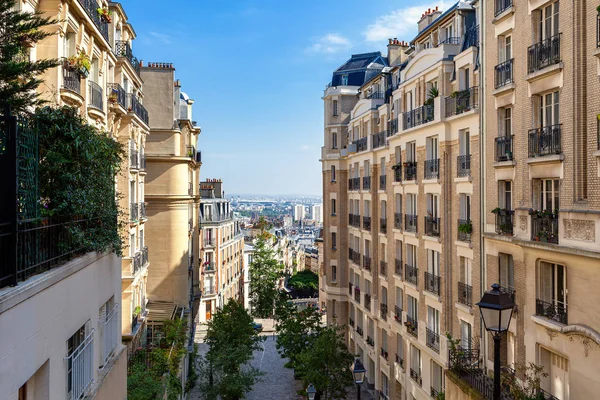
(358,372)
(496,309)
(311,392)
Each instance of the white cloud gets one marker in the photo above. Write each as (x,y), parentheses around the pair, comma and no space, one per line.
(305,147)
(329,44)
(166,39)
(397,24)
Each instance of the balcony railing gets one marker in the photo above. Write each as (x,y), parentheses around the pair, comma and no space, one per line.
(398,221)
(143,210)
(208,267)
(356,258)
(134,158)
(368,301)
(465,294)
(361,144)
(433,340)
(350,288)
(382,182)
(503,73)
(397,172)
(133,212)
(91,8)
(81,368)
(374,95)
(367,223)
(504,148)
(410,223)
(400,361)
(410,171)
(357,294)
(510,291)
(383,225)
(354,183)
(463,165)
(553,311)
(418,116)
(462,101)
(398,267)
(209,290)
(351,322)
(432,283)
(117,95)
(465,228)
(123,49)
(359,331)
(501,5)
(545,141)
(370,341)
(378,139)
(451,40)
(382,268)
(544,226)
(71,79)
(367,263)
(432,226)
(393,126)
(432,169)
(411,274)
(209,242)
(145,256)
(384,353)
(134,105)
(504,222)
(383,310)
(412,326)
(416,376)
(366,183)
(543,54)
(355,220)
(95,99)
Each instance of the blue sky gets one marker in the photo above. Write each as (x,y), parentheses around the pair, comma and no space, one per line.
(257,70)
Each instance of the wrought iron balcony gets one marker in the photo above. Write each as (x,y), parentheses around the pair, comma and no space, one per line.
(366,183)
(393,126)
(123,49)
(504,148)
(134,158)
(510,291)
(411,274)
(398,221)
(463,165)
(209,242)
(370,341)
(357,294)
(143,210)
(504,222)
(465,228)
(397,172)
(133,212)
(137,262)
(433,340)
(503,73)
(432,169)
(416,376)
(209,290)
(383,225)
(382,182)
(368,301)
(552,310)
(355,220)
(384,353)
(410,223)
(145,256)
(375,94)
(95,99)
(462,101)
(361,144)
(434,392)
(350,288)
(91,9)
(418,116)
(543,54)
(359,331)
(545,141)
(117,95)
(383,310)
(356,258)
(71,79)
(398,267)
(451,40)
(465,294)
(134,105)
(367,223)
(544,226)
(501,5)
(354,184)
(412,326)
(400,361)
(378,139)
(432,283)
(351,322)
(398,314)
(410,170)
(432,226)
(209,267)
(367,263)
(382,268)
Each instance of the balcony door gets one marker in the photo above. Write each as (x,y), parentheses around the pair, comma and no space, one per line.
(547,194)
(465,270)
(465,207)
(411,152)
(433,205)
(507,271)
(433,262)
(548,22)
(557,369)
(505,197)
(433,320)
(432,148)
(549,109)
(411,255)
(553,284)
(465,335)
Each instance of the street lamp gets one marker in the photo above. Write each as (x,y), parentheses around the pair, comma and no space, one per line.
(358,372)
(311,392)
(496,309)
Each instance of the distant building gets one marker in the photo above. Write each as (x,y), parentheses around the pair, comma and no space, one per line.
(287,221)
(317,213)
(298,212)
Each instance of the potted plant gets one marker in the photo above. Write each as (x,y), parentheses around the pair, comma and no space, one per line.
(137,311)
(598,9)
(105,14)
(113,96)
(466,227)
(531,211)
(496,210)
(80,63)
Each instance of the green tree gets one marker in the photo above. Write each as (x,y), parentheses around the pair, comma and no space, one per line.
(304,280)
(19,77)
(231,338)
(265,273)
(326,364)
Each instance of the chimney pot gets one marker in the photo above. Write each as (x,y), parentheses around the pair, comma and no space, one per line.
(389,41)
(436,8)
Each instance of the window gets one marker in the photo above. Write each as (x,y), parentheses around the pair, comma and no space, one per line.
(344,80)
(411,204)
(464,144)
(398,154)
(335,108)
(415,359)
(411,152)
(557,368)
(432,205)
(333,210)
(367,168)
(411,255)
(333,274)
(334,140)
(552,287)
(505,121)
(385,385)
(505,195)
(80,358)
(333,307)
(465,207)
(465,335)
(465,270)
(108,324)
(383,209)
(506,270)
(466,79)
(399,298)
(546,194)
(548,111)
(437,378)
(413,307)
(431,144)
(548,21)
(367,209)
(400,346)
(433,262)
(333,240)
(433,320)
(505,48)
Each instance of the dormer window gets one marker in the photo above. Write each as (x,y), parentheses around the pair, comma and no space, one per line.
(344,80)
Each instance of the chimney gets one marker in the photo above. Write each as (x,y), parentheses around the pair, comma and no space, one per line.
(396,49)
(428,17)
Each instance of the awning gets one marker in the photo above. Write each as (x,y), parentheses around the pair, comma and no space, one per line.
(159,311)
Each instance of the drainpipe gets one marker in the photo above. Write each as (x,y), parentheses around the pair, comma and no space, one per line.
(482,171)
(447,187)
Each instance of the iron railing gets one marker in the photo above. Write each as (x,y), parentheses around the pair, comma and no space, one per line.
(367,223)
(410,171)
(144,256)
(137,262)
(208,242)
(410,223)
(544,227)
(133,212)
(143,210)
(361,144)
(432,168)
(504,222)
(384,353)
(400,361)
(95,99)
(91,8)
(416,376)
(355,220)
(412,326)
(370,341)
(432,283)
(418,116)
(209,267)
(503,73)
(357,294)
(356,258)
(393,126)
(463,165)
(543,54)
(351,322)
(398,314)
(359,331)
(501,5)
(464,228)
(397,172)
(374,95)
(378,139)
(367,298)
(367,263)
(350,288)
(383,311)
(382,182)
(383,267)
(80,368)
(209,290)
(462,101)
(71,79)
(134,105)
(433,340)
(451,40)
(366,183)
(465,294)
(110,333)
(432,226)
(116,94)
(134,160)
(545,141)
(354,183)
(398,267)
(411,274)
(398,221)
(510,291)
(383,225)
(123,49)
(504,148)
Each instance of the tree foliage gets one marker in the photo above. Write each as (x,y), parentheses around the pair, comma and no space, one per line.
(265,273)
(326,364)
(19,77)
(528,388)
(304,280)
(224,371)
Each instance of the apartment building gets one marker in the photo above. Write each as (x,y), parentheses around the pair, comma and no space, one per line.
(222,254)
(401,134)
(62,315)
(299,212)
